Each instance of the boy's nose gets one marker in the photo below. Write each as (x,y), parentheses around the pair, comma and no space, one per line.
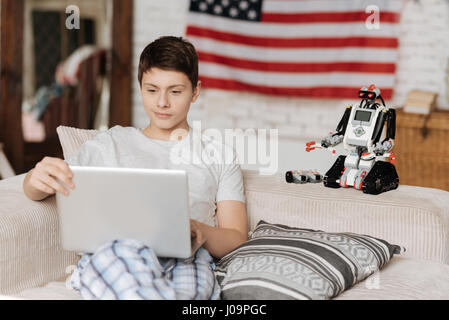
(162,101)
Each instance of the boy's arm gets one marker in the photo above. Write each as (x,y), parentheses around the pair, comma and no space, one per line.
(232,228)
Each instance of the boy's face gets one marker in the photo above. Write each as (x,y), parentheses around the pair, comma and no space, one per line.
(167,96)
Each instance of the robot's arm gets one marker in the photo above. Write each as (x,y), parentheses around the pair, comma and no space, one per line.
(391,125)
(332,139)
(341,128)
(387,144)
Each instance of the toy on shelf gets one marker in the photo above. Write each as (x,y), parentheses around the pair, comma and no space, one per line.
(367,132)
(303,176)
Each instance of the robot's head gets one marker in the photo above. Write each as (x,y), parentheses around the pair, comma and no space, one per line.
(370,93)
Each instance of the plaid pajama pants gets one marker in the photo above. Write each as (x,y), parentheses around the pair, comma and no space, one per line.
(127,269)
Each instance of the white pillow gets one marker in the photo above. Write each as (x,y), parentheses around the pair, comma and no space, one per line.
(72,139)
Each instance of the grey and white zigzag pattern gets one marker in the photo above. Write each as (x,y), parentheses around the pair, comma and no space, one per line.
(302,263)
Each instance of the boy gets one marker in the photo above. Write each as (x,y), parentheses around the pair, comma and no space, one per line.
(168,80)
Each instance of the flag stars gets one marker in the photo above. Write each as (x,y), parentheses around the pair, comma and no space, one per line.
(246,10)
(218,9)
(202,6)
(243,5)
(252,14)
(233,12)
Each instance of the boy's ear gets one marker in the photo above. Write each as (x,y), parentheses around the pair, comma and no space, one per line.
(196,91)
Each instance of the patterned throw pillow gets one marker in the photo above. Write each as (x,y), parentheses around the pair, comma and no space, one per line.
(281,262)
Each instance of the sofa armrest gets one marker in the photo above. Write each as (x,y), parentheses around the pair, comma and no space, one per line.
(414,217)
(30,252)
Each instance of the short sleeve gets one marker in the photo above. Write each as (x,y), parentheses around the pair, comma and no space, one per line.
(230,184)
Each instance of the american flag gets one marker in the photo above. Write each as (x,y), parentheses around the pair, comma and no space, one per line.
(309,48)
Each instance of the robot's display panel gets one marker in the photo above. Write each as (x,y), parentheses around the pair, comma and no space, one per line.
(362,115)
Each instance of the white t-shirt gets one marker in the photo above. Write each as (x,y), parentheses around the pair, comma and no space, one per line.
(213,171)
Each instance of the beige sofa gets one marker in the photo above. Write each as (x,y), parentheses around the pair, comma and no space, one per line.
(33,266)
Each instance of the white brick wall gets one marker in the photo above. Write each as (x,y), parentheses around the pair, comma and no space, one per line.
(153,19)
(423,64)
(424,50)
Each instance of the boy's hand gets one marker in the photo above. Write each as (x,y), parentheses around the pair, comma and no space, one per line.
(43,176)
(195,230)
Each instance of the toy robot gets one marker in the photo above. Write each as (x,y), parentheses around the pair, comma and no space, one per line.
(367,132)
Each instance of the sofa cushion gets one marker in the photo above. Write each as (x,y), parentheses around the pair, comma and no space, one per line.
(281,262)
(403,279)
(72,139)
(30,249)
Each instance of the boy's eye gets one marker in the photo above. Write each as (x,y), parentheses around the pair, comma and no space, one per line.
(151,90)
(176,91)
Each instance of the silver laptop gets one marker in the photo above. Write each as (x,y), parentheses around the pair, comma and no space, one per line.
(149,205)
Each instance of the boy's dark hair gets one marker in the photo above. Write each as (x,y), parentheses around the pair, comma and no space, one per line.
(170,53)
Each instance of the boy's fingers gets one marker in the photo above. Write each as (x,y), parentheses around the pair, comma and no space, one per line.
(55,185)
(56,172)
(61,164)
(43,187)
(199,237)
(195,231)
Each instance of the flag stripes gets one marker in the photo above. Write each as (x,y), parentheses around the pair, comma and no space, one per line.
(295,47)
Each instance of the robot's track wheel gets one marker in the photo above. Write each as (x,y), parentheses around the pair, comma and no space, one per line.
(381,178)
(334,173)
